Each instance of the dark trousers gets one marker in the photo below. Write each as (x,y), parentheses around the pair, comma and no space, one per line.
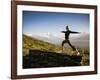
(67,41)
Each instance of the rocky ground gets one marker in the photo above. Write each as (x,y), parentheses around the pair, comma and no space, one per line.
(42,59)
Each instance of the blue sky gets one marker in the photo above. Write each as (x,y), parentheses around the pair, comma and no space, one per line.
(54,22)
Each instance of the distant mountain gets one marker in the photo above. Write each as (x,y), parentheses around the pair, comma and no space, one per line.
(49,38)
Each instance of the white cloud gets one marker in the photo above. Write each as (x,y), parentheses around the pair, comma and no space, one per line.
(28,34)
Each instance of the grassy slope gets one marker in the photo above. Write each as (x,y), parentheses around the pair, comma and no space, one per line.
(32,43)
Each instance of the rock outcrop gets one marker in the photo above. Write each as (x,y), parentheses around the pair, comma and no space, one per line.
(42,59)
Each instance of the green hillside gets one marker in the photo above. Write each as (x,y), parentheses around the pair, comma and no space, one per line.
(33,43)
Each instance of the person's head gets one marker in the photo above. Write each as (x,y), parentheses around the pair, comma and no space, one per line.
(67,28)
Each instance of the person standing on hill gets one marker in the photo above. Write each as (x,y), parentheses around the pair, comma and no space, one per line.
(67,33)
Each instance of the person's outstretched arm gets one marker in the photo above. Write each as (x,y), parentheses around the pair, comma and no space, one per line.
(74,32)
(63,31)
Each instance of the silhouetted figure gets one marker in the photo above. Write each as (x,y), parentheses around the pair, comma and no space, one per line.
(67,33)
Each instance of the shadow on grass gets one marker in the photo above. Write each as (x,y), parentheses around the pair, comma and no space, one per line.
(42,59)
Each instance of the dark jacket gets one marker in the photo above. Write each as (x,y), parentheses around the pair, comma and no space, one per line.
(67,33)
